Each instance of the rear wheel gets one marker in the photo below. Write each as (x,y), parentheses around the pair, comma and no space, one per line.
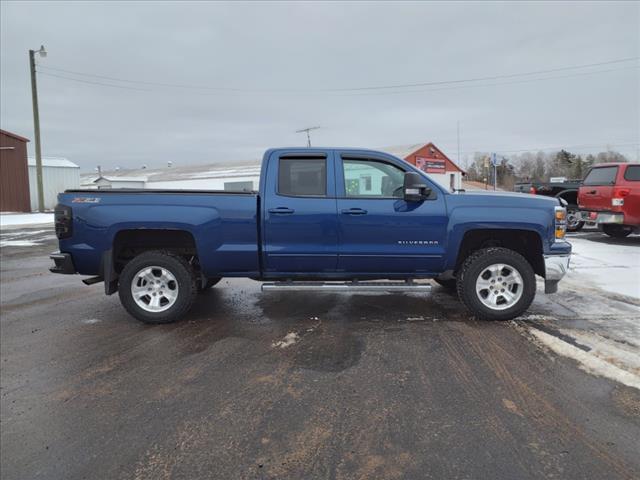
(157,287)
(496,284)
(617,231)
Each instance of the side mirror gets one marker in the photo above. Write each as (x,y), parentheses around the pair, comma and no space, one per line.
(414,189)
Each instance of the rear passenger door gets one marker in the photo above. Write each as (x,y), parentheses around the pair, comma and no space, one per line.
(299,215)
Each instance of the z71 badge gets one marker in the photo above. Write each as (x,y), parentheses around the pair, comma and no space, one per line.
(86,200)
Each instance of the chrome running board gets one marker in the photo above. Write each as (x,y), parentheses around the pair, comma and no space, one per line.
(408,286)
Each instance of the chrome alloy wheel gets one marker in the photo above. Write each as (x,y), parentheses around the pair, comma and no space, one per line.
(499,286)
(573,218)
(154,289)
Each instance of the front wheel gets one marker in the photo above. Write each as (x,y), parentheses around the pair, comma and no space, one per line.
(574,224)
(496,284)
(157,287)
(616,231)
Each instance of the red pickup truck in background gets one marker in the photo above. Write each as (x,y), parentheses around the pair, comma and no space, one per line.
(610,197)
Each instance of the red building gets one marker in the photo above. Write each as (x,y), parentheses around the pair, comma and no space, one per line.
(430,159)
(14,173)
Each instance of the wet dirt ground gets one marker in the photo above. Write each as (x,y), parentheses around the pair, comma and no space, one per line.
(292,385)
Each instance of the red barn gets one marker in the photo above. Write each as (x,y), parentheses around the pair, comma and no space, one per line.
(430,159)
(14,173)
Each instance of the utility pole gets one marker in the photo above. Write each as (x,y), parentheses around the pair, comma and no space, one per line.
(494,163)
(307,130)
(458,125)
(36,124)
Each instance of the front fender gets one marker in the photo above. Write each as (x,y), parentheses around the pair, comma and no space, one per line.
(465,219)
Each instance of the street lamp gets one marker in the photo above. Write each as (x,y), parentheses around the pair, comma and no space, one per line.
(36,122)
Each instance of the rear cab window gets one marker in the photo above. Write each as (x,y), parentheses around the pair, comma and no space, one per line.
(632,173)
(302,177)
(601,176)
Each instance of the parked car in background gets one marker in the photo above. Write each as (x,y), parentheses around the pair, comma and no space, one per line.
(610,197)
(558,187)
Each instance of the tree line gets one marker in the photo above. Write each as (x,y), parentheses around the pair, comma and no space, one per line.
(537,167)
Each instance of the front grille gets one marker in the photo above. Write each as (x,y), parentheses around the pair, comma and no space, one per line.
(63,219)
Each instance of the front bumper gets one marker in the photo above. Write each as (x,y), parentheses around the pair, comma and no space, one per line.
(602,217)
(63,263)
(555,267)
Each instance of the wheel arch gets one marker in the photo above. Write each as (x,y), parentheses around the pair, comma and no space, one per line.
(130,242)
(570,196)
(527,243)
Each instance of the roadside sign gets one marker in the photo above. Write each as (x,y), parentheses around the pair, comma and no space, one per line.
(431,165)
(494,159)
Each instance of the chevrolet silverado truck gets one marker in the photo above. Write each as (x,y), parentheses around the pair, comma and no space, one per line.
(324,219)
(610,197)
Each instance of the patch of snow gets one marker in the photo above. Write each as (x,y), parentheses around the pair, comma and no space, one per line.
(21,219)
(588,361)
(18,243)
(23,233)
(612,267)
(288,340)
(90,321)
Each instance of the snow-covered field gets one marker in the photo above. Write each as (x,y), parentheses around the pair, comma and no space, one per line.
(612,265)
(595,316)
(23,219)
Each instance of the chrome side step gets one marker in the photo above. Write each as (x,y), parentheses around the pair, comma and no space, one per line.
(408,286)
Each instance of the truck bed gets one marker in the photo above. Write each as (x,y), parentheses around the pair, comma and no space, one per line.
(160,191)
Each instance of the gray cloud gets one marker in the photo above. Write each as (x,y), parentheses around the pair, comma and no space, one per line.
(317,46)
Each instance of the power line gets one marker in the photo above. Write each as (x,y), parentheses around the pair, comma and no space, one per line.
(93,83)
(458,87)
(335,94)
(492,77)
(345,89)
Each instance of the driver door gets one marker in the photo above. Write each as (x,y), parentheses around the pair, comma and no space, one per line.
(379,233)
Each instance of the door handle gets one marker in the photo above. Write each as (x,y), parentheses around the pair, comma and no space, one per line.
(281,210)
(592,192)
(354,211)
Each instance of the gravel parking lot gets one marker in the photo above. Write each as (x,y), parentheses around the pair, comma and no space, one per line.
(306,385)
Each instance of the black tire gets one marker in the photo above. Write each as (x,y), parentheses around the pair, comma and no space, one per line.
(473,267)
(573,224)
(449,284)
(617,231)
(184,277)
(209,282)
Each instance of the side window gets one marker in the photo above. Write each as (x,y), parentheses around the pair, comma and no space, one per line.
(302,177)
(372,179)
(601,176)
(632,173)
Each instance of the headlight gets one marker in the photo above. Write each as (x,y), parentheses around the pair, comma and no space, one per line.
(560,222)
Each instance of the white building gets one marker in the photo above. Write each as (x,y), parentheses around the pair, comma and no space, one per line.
(58,175)
(102,183)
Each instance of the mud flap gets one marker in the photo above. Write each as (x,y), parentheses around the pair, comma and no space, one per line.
(109,274)
(551,286)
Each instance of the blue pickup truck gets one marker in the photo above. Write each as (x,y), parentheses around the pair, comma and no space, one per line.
(325,219)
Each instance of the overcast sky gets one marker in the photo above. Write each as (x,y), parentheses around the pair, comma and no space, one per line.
(256,72)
